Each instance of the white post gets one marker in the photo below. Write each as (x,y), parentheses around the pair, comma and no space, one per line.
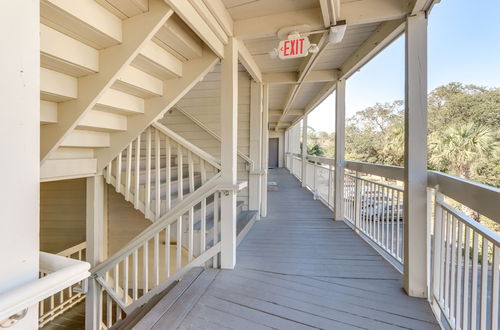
(415,170)
(265,147)
(338,204)
(95,248)
(304,151)
(286,148)
(254,186)
(20,147)
(229,142)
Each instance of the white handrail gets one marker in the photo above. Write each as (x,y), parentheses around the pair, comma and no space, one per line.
(62,273)
(188,145)
(213,134)
(208,188)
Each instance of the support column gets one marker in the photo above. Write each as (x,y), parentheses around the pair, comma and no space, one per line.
(304,151)
(415,170)
(338,204)
(95,248)
(229,142)
(265,147)
(254,186)
(20,147)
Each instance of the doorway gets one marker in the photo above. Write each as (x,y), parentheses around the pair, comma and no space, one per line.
(273,152)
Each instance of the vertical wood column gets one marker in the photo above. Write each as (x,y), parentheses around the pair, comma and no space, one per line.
(229,142)
(95,247)
(254,186)
(415,170)
(338,202)
(304,151)
(20,149)
(265,147)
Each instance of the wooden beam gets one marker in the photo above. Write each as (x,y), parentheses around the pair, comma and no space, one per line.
(193,19)
(155,108)
(304,151)
(254,184)
(265,148)
(353,12)
(221,14)
(415,163)
(292,77)
(138,31)
(338,204)
(249,62)
(378,40)
(229,141)
(209,18)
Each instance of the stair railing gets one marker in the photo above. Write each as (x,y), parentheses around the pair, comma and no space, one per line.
(58,303)
(158,256)
(158,169)
(204,127)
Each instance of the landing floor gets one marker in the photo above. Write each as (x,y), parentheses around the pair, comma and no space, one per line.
(298,269)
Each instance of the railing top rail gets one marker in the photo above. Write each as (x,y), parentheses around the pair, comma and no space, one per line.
(479,197)
(188,145)
(207,189)
(324,160)
(73,249)
(62,272)
(386,171)
(213,134)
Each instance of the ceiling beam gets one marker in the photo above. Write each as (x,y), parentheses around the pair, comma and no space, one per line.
(196,22)
(294,112)
(292,77)
(221,15)
(249,62)
(379,39)
(330,10)
(353,12)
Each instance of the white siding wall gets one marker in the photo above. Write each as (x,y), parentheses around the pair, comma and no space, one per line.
(203,103)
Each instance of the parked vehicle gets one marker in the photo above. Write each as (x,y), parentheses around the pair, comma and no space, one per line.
(385,212)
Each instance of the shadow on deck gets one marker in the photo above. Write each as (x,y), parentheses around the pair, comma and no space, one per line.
(299,269)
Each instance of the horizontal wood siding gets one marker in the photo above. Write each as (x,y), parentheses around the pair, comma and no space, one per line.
(62,214)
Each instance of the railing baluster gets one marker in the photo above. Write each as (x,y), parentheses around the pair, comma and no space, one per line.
(495,287)
(168,176)
(137,171)
(108,172)
(178,250)
(128,178)
(145,266)
(190,171)
(156,259)
(167,250)
(447,264)
(135,279)
(125,280)
(465,309)
(118,176)
(190,234)
(473,304)
(437,259)
(453,266)
(147,201)
(180,174)
(215,227)
(109,311)
(484,283)
(458,281)
(157,175)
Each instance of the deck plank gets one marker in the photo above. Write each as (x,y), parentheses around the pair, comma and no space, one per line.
(298,269)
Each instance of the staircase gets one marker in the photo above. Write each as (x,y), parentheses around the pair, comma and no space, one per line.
(108,69)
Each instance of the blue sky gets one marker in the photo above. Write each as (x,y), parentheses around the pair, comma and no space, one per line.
(463,46)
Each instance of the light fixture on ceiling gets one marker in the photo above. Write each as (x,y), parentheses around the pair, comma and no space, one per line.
(337,32)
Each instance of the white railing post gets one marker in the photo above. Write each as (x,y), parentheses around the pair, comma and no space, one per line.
(265,147)
(229,125)
(415,170)
(254,184)
(436,249)
(338,205)
(95,248)
(304,151)
(357,202)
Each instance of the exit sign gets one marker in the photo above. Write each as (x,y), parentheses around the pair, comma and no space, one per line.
(293,47)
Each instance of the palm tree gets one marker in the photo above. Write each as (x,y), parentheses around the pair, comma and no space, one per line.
(458,148)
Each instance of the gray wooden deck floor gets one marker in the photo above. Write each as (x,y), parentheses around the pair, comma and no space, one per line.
(299,269)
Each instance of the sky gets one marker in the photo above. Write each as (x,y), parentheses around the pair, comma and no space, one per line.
(463,46)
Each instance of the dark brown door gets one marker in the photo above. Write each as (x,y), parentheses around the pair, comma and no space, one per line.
(273,152)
